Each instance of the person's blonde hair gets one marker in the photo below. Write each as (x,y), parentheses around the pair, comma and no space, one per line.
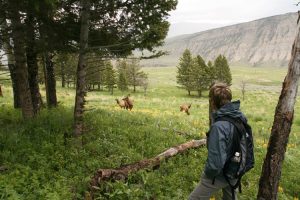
(219,95)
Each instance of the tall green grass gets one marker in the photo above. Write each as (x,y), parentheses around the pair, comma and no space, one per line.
(43,164)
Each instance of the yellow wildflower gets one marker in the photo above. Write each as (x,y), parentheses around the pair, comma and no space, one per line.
(280,189)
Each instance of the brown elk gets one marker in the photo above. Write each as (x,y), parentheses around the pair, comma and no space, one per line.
(125,103)
(129,102)
(185,108)
(121,103)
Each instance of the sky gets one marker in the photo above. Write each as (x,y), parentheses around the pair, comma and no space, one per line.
(196,15)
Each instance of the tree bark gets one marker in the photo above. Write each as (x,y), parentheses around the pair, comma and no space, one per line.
(31,54)
(81,69)
(1,94)
(210,112)
(199,93)
(63,77)
(283,119)
(50,82)
(122,173)
(13,76)
(21,67)
(8,49)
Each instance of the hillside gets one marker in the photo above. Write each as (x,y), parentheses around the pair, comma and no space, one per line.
(266,42)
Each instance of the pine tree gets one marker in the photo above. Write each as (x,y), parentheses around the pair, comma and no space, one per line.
(95,74)
(135,74)
(184,71)
(212,73)
(110,77)
(122,75)
(223,73)
(201,75)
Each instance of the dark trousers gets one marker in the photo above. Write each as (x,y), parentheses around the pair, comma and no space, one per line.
(205,189)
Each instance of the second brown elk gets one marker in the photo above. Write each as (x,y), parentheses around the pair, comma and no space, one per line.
(185,108)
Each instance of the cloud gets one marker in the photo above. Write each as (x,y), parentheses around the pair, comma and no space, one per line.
(229,11)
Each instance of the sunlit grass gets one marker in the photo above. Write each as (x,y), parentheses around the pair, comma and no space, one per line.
(116,137)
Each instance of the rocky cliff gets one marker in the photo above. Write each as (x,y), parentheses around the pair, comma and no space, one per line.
(266,42)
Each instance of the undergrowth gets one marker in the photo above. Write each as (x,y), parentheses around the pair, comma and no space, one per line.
(41,162)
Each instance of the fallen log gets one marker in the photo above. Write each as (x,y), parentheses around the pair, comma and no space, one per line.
(122,173)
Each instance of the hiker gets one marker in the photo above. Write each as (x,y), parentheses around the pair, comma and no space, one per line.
(220,143)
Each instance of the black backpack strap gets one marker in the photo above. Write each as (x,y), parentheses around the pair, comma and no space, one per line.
(235,121)
(234,187)
(237,134)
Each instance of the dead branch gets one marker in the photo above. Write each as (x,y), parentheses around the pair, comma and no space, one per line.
(3,168)
(122,173)
(176,131)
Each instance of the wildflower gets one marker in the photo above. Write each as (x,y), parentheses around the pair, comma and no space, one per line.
(280,189)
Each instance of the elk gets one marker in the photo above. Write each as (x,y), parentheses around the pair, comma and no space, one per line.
(121,103)
(129,102)
(185,108)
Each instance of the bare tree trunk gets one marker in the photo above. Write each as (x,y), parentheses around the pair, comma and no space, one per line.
(11,62)
(31,54)
(1,94)
(122,173)
(21,67)
(81,69)
(200,93)
(283,119)
(12,71)
(50,82)
(63,77)
(210,113)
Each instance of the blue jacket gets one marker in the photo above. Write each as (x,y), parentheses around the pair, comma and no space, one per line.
(219,141)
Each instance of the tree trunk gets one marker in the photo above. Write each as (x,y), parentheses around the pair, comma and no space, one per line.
(1,94)
(189,92)
(63,78)
(50,82)
(122,173)
(271,170)
(12,71)
(81,69)
(199,93)
(21,67)
(31,54)
(11,63)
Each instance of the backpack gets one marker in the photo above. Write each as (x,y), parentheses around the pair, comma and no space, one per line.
(242,143)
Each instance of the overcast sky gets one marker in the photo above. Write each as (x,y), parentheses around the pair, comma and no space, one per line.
(203,14)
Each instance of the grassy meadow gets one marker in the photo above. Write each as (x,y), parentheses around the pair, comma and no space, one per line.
(42,164)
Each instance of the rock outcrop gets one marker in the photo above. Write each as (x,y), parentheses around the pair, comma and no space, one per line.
(266,42)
